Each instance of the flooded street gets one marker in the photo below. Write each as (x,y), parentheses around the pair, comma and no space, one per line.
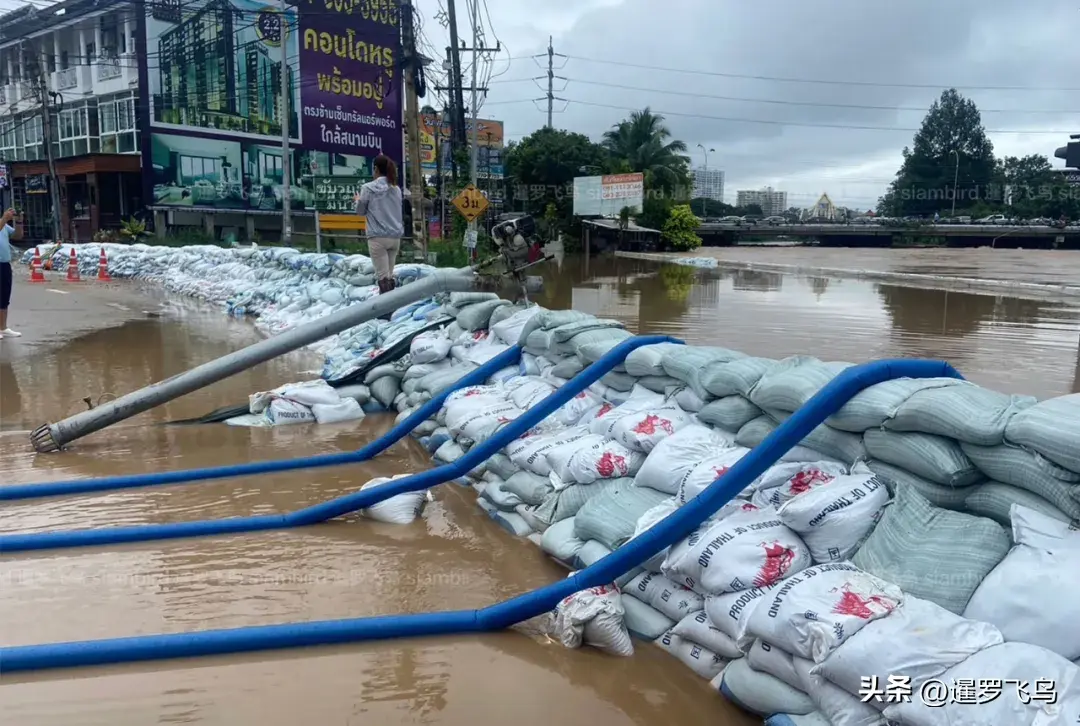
(454,557)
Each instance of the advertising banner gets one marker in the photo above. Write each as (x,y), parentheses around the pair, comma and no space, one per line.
(215,87)
(605,196)
(489,136)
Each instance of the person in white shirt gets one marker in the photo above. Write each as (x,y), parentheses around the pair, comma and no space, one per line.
(7,231)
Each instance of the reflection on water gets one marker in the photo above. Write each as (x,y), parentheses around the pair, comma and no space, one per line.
(1010,344)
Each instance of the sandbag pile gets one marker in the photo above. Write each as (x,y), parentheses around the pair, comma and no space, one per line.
(281,287)
(306,402)
(888,542)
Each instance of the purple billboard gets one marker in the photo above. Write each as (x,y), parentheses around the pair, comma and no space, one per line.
(350,77)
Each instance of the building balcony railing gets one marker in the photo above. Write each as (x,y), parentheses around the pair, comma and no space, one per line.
(67,79)
(108,69)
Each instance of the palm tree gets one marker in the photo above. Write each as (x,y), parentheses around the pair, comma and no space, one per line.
(643,142)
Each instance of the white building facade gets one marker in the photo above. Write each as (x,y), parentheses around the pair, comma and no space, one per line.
(708,184)
(771,201)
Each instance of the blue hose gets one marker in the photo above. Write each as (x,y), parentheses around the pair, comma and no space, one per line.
(665,533)
(350,502)
(369,451)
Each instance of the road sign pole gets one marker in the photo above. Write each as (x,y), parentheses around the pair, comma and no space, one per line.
(318,234)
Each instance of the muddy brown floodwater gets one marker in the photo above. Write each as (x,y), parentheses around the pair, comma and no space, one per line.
(455,557)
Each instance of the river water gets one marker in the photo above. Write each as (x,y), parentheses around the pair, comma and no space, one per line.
(454,558)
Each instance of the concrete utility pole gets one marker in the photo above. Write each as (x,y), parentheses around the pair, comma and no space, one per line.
(457,124)
(412,127)
(286,193)
(44,96)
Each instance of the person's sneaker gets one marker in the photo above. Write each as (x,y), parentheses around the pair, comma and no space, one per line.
(9,333)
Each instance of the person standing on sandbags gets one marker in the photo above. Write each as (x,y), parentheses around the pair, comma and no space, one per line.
(381,201)
(7,231)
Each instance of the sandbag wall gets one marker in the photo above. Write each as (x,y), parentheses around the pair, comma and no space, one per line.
(281,287)
(921,533)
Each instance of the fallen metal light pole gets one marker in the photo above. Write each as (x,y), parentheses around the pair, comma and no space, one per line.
(53,437)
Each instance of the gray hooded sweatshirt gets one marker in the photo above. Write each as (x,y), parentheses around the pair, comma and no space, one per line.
(381,204)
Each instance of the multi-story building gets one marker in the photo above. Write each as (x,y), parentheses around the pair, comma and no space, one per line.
(771,201)
(81,53)
(708,184)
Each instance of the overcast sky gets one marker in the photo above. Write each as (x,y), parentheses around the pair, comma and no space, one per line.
(918,46)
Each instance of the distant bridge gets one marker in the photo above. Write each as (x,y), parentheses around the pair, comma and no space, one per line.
(873,235)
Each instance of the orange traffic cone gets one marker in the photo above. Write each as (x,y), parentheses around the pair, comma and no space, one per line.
(73,268)
(103,268)
(35,267)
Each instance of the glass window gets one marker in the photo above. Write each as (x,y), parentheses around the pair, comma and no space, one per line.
(107,116)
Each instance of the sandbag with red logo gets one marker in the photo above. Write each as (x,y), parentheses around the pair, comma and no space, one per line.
(742,551)
(833,518)
(698,479)
(675,456)
(594,617)
(816,610)
(529,452)
(595,458)
(643,430)
(482,423)
(786,481)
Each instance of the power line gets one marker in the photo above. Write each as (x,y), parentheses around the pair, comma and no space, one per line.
(781,79)
(846,127)
(779,102)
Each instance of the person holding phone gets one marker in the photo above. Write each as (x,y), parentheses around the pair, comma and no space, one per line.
(7,232)
(381,201)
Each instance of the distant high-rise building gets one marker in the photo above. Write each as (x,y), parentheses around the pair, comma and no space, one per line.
(708,184)
(771,201)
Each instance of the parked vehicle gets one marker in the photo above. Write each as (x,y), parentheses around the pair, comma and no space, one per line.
(731,220)
(992,219)
(774,220)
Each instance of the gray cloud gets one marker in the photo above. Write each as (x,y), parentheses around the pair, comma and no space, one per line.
(966,43)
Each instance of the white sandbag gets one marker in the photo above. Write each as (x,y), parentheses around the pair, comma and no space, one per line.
(590,554)
(385,390)
(701,660)
(574,411)
(529,452)
(559,457)
(707,471)
(783,482)
(1052,691)
(347,409)
(429,348)
(502,466)
(529,392)
(816,610)
(398,509)
(559,541)
(761,693)
(594,460)
(282,412)
(643,430)
(696,628)
(593,617)
(305,393)
(1033,594)
(736,378)
(649,519)
(670,598)
(482,423)
(738,553)
(644,620)
(919,640)
(840,707)
(675,456)
(774,661)
(834,518)
(449,452)
(509,329)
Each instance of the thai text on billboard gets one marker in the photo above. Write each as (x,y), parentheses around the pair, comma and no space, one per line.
(606,196)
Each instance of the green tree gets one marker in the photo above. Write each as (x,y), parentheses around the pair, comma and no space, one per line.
(542,166)
(643,143)
(950,144)
(680,229)
(753,210)
(711,207)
